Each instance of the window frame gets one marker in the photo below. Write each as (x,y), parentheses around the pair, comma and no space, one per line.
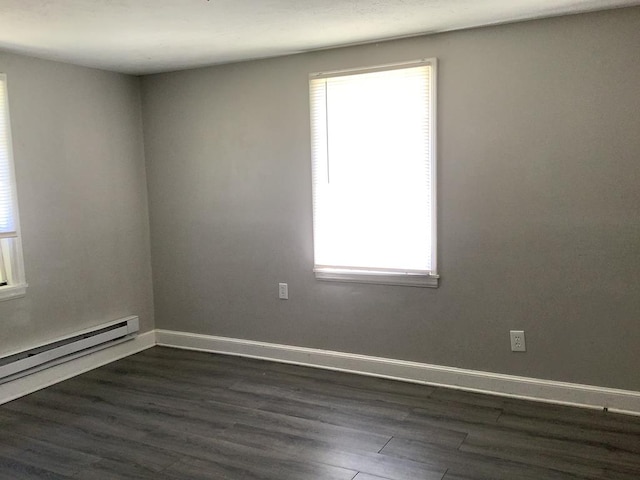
(370,275)
(11,247)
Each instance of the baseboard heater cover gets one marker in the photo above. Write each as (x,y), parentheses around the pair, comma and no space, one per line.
(25,362)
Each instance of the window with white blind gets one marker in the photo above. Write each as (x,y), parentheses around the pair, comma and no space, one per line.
(374,174)
(12,283)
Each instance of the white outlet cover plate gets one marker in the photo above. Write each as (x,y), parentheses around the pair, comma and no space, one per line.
(283,291)
(518,343)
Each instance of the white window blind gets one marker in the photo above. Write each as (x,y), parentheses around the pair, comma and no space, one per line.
(12,278)
(373,154)
(8,223)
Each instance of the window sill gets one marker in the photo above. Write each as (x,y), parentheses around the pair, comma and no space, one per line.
(10,292)
(407,280)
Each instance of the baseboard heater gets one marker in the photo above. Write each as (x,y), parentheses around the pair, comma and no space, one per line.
(67,348)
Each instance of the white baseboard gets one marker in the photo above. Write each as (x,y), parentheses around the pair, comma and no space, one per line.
(622,401)
(44,378)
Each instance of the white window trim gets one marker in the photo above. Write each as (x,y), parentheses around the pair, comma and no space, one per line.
(9,292)
(17,287)
(430,280)
(383,278)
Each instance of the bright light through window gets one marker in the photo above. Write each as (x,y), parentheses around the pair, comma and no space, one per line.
(373,174)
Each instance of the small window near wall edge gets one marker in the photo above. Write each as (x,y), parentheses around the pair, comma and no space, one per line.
(12,277)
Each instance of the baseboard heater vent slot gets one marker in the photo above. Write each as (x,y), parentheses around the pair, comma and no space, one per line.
(67,348)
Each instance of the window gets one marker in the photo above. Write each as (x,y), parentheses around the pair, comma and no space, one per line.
(12,282)
(374,171)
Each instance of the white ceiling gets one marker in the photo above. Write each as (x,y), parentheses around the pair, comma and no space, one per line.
(149,36)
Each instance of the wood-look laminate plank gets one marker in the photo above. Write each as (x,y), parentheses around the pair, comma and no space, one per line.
(55,458)
(366,476)
(591,461)
(324,398)
(9,448)
(107,469)
(143,383)
(119,448)
(376,464)
(474,399)
(450,411)
(362,420)
(200,470)
(194,469)
(303,448)
(581,450)
(56,412)
(277,372)
(167,414)
(591,419)
(450,475)
(145,413)
(338,436)
(624,439)
(11,469)
(474,466)
(383,393)
(262,461)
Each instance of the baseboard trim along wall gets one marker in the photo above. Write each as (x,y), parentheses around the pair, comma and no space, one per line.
(587,396)
(621,401)
(44,378)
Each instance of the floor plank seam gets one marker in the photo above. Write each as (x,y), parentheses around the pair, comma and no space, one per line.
(178,460)
(462,442)
(391,438)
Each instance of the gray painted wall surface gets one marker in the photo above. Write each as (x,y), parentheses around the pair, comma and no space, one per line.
(79,158)
(539,203)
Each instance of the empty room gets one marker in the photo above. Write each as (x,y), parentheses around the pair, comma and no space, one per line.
(338,239)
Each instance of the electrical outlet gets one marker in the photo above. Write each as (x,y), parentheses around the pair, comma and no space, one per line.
(283,291)
(517,341)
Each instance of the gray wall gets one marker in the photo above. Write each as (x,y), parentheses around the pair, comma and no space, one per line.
(79,160)
(539,204)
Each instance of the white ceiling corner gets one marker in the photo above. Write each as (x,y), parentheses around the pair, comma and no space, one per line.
(150,36)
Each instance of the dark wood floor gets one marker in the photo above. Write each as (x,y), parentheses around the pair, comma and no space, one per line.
(171,414)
